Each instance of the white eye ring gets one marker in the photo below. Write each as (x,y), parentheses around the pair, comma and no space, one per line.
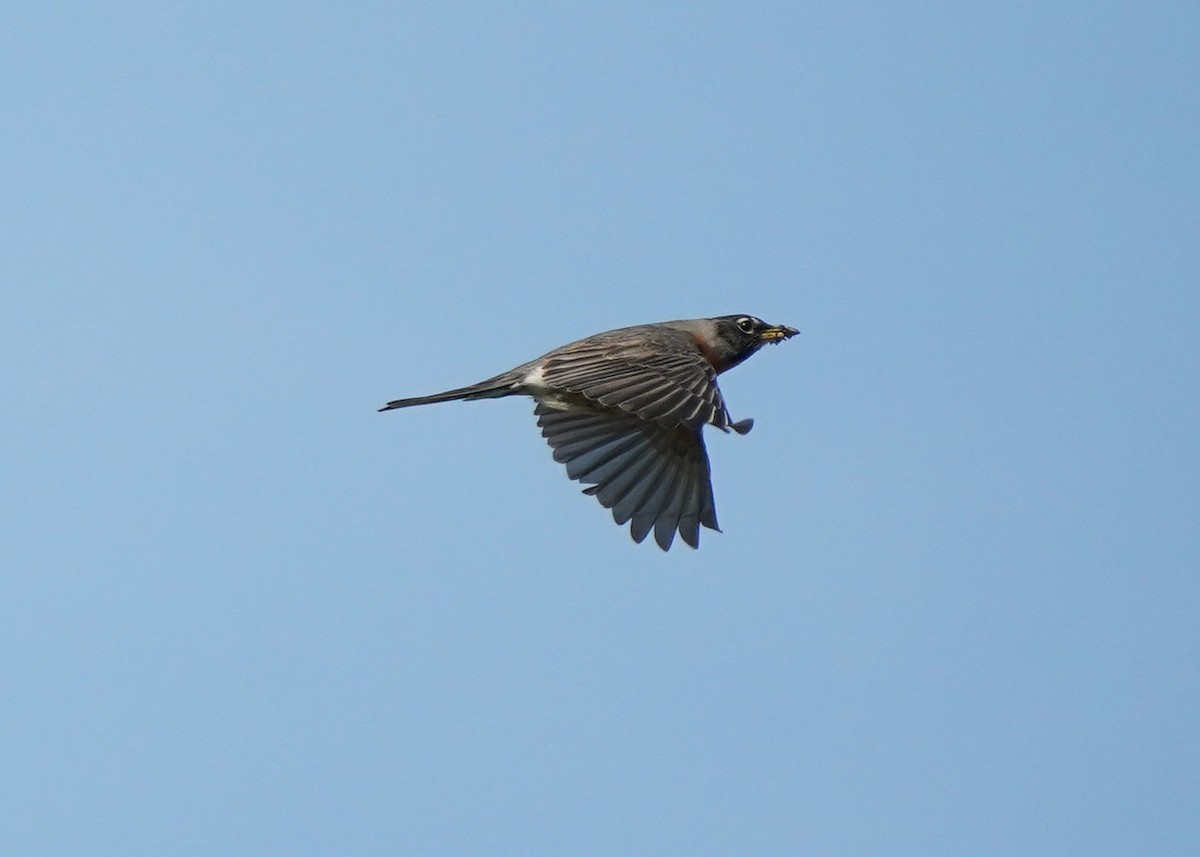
(745,324)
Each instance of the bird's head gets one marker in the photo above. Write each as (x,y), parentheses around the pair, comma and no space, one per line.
(733,338)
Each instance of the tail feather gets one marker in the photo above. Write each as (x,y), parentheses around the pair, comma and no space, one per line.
(485,390)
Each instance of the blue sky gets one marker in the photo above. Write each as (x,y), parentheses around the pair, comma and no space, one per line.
(953,610)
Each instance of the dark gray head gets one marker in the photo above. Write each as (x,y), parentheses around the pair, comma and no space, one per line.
(730,339)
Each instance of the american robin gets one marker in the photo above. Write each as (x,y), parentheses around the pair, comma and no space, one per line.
(624,410)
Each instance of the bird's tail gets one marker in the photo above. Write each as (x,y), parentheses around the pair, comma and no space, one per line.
(489,389)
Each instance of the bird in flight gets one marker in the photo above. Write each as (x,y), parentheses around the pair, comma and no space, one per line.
(624,411)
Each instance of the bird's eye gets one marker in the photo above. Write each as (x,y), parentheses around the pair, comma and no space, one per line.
(745,324)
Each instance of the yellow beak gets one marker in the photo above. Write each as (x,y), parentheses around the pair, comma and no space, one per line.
(777,334)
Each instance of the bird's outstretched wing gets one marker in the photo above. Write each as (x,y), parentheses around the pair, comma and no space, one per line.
(658,375)
(652,474)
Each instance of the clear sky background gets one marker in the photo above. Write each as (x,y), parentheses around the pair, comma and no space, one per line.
(956,606)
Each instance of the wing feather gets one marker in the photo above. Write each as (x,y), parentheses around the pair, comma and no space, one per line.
(672,507)
(676,385)
(651,475)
